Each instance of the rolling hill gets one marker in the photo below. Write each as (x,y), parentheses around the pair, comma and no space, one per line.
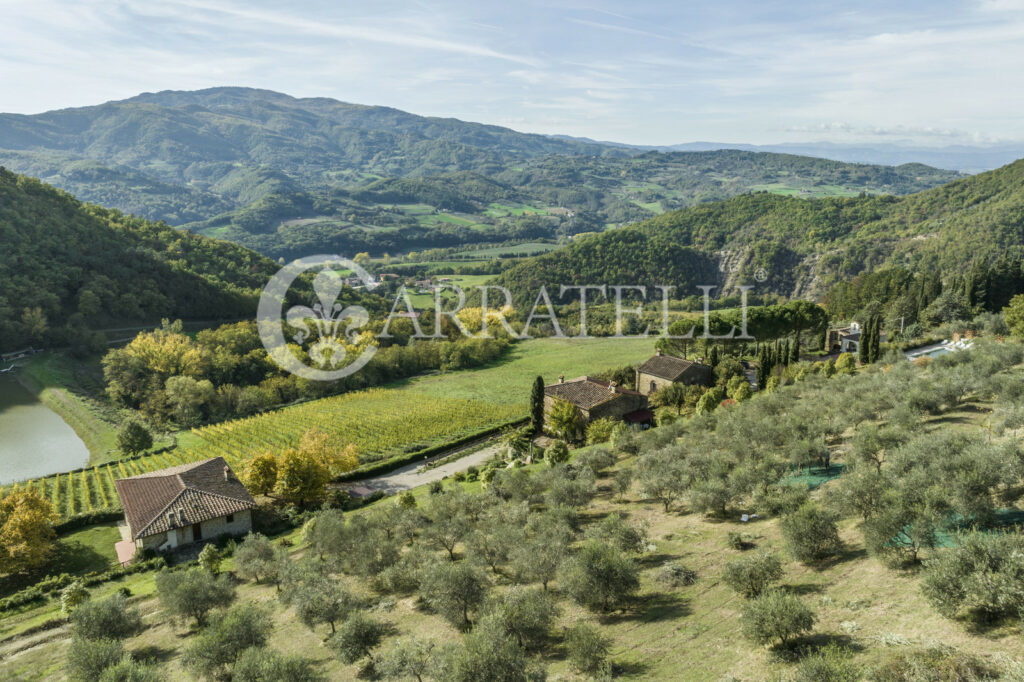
(799,247)
(290,177)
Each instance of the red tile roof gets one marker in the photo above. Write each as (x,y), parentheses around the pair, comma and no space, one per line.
(585,392)
(668,367)
(180,496)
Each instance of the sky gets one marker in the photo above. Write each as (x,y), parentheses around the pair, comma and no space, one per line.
(635,71)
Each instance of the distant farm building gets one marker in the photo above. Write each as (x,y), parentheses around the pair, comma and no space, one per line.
(598,399)
(663,370)
(181,505)
(844,339)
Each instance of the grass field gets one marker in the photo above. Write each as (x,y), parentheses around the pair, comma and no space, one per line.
(403,417)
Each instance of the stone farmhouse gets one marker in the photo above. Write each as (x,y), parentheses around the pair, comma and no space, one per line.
(597,399)
(663,370)
(182,505)
(844,339)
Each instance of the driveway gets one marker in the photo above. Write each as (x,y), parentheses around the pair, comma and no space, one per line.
(411,475)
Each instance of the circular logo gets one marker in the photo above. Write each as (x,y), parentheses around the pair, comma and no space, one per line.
(328,325)
(761,275)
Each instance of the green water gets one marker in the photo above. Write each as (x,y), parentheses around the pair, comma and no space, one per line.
(34,440)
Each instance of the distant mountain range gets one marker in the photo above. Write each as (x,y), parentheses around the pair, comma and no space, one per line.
(290,176)
(960,157)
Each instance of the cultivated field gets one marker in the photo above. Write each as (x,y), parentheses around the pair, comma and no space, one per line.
(407,416)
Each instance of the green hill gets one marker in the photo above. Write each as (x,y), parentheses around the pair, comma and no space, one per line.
(290,177)
(68,267)
(799,246)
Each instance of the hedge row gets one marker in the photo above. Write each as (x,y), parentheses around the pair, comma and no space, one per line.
(41,590)
(76,521)
(388,465)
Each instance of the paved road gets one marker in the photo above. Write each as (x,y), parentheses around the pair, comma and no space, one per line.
(410,476)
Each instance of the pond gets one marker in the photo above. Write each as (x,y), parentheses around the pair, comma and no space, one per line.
(34,440)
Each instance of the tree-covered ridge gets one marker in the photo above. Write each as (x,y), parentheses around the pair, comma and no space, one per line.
(68,267)
(247,165)
(799,246)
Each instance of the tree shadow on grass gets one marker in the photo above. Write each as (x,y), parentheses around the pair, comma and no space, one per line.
(804,588)
(152,654)
(656,559)
(847,554)
(809,645)
(651,608)
(628,669)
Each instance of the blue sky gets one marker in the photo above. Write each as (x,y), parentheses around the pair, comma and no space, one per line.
(635,71)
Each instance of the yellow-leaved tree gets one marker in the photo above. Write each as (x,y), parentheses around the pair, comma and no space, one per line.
(27,537)
(302,473)
(261,473)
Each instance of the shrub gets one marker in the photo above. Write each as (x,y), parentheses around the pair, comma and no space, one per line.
(193,593)
(526,614)
(218,646)
(780,498)
(459,476)
(677,575)
(600,431)
(830,664)
(454,590)
(587,648)
(557,453)
(597,460)
(600,576)
(210,559)
(435,487)
(752,575)
(982,578)
(71,596)
(625,536)
(776,616)
(739,540)
(357,638)
(106,618)
(257,664)
(407,500)
(130,670)
(811,534)
(933,665)
(87,659)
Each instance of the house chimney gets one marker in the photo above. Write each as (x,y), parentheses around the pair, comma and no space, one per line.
(611,386)
(227,473)
(561,378)
(659,352)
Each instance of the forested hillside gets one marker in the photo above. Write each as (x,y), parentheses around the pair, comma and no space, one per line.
(798,247)
(68,267)
(291,177)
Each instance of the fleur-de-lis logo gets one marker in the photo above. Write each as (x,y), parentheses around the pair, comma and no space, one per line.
(332,324)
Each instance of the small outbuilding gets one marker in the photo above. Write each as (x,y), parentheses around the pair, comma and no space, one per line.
(662,370)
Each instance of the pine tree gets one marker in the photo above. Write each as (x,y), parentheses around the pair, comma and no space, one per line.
(537,405)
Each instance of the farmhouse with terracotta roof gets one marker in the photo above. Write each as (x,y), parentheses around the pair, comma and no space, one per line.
(188,503)
(663,370)
(597,399)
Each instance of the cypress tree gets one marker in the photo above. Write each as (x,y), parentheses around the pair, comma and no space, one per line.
(876,339)
(794,354)
(863,344)
(537,404)
(713,356)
